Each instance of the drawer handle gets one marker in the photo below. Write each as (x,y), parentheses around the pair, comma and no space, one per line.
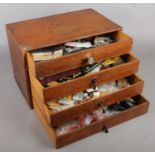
(105,129)
(94,83)
(90,60)
(101,104)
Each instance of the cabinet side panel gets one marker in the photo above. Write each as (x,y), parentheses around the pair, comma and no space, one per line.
(19,63)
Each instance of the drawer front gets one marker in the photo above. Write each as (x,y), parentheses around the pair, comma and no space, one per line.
(65,139)
(55,119)
(99,126)
(78,59)
(89,106)
(85,82)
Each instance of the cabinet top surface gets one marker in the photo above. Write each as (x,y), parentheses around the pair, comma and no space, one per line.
(56,29)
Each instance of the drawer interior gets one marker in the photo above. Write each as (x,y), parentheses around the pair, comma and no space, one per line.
(54,117)
(131,80)
(103,39)
(70,75)
(76,59)
(61,89)
(83,71)
(62,137)
(107,111)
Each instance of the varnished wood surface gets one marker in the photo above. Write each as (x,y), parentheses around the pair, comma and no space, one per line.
(32,34)
(122,46)
(85,82)
(50,131)
(56,29)
(25,36)
(20,70)
(65,139)
(55,119)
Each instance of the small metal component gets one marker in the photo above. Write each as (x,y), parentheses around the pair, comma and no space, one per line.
(105,129)
(90,60)
(101,104)
(94,83)
(98,41)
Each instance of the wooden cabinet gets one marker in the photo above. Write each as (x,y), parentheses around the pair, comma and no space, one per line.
(53,31)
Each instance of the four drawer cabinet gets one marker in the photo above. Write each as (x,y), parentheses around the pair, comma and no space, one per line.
(78,72)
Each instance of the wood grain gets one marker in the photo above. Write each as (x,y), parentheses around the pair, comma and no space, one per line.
(26,36)
(66,139)
(78,59)
(55,119)
(19,64)
(33,34)
(85,82)
(56,29)
(109,122)
(51,132)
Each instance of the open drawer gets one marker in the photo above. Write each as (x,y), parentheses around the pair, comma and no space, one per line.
(84,82)
(61,140)
(121,45)
(57,118)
